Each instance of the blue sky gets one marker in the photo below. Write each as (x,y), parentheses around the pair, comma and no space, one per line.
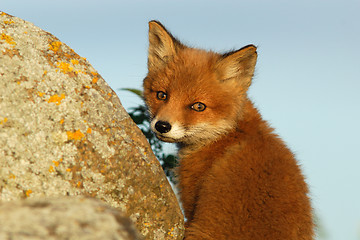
(307,81)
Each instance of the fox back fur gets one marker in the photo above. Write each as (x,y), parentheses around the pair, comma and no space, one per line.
(237,178)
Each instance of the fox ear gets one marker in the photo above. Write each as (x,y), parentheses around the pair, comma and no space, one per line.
(238,65)
(162,45)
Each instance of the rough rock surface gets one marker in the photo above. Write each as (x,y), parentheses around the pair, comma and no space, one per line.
(63,131)
(62,219)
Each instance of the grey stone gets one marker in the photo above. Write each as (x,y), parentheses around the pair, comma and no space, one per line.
(66,218)
(64,132)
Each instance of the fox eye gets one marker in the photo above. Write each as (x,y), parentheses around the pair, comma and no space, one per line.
(199,107)
(161,95)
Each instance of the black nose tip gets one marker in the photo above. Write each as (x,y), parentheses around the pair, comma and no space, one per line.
(162,126)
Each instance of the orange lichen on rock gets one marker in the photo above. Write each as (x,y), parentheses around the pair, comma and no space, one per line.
(55,46)
(56,99)
(171,233)
(7,39)
(28,192)
(11,52)
(94,80)
(9,22)
(74,61)
(65,67)
(56,163)
(51,169)
(4,121)
(77,135)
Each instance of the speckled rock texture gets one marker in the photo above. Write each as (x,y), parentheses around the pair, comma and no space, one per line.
(62,219)
(63,131)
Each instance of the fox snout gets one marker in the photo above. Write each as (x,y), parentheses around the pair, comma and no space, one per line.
(162,126)
(166,131)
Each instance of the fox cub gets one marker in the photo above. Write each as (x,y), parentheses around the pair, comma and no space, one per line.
(237,178)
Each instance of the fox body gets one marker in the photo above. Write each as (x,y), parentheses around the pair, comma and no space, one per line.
(237,179)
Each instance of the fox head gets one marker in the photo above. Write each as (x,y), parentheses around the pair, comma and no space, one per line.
(194,96)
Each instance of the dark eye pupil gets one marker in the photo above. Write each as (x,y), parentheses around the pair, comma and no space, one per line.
(161,95)
(199,107)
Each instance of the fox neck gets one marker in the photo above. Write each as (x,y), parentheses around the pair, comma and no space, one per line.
(249,122)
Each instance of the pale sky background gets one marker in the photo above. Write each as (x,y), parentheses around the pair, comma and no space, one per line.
(307,81)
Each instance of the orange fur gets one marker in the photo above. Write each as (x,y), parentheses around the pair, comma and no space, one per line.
(238,180)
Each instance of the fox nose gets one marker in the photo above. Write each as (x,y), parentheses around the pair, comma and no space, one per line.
(162,126)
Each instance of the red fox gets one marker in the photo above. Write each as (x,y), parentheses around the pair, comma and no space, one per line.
(237,178)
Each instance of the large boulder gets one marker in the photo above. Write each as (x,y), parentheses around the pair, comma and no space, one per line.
(64,132)
(62,219)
